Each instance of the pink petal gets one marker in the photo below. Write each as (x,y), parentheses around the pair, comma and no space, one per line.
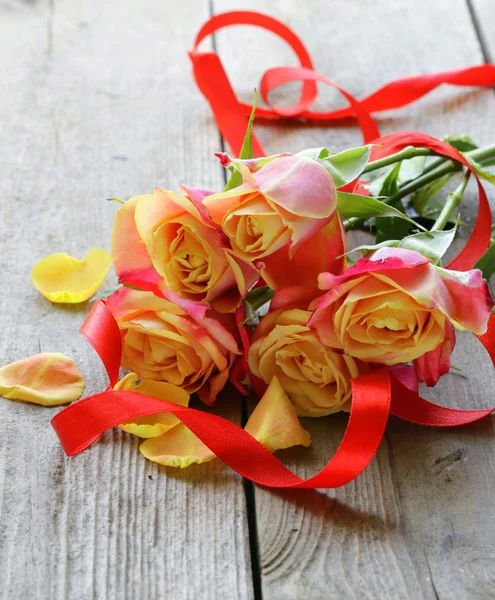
(312,257)
(432,365)
(129,254)
(298,184)
(471,299)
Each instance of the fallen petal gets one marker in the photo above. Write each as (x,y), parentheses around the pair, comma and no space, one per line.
(63,278)
(151,426)
(179,447)
(274,422)
(49,379)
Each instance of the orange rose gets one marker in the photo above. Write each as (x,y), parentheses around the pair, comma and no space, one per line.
(167,239)
(396,306)
(282,218)
(185,346)
(316,379)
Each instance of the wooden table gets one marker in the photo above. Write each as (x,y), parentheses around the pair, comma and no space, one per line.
(97,100)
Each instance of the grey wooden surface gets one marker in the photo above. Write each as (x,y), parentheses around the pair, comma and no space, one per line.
(98,100)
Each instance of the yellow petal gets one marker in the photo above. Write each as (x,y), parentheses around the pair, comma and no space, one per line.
(177,448)
(49,379)
(63,278)
(152,425)
(274,422)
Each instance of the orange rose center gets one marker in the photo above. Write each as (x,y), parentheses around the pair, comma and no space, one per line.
(315,378)
(380,323)
(255,229)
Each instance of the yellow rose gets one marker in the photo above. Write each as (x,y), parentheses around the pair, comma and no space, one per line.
(396,306)
(164,342)
(316,379)
(281,208)
(167,239)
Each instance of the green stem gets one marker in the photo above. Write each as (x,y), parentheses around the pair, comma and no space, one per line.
(438,168)
(452,202)
(422,180)
(406,189)
(478,155)
(409,152)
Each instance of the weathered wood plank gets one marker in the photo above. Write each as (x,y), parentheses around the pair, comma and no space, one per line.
(419,522)
(483,12)
(98,101)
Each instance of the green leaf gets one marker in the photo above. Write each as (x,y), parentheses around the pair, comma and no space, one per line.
(487,262)
(259,296)
(431,244)
(480,170)
(315,153)
(247,145)
(367,207)
(366,249)
(463,143)
(247,151)
(345,166)
(411,168)
(388,228)
(389,185)
(103,295)
(424,200)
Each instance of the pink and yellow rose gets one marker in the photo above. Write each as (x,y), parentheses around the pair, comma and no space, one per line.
(316,379)
(282,218)
(396,306)
(167,239)
(188,345)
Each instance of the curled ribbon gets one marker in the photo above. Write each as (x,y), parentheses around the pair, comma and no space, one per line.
(375,395)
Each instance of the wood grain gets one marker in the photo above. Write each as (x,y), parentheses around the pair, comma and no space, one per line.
(419,522)
(98,101)
(483,12)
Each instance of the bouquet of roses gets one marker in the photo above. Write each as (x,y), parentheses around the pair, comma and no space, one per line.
(196,266)
(256,285)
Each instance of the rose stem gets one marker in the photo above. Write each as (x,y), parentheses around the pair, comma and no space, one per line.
(452,202)
(478,155)
(409,152)
(444,168)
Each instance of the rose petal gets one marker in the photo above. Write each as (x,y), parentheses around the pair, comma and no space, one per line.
(470,298)
(298,184)
(49,379)
(274,422)
(63,278)
(152,425)
(179,447)
(312,257)
(432,365)
(129,255)
(219,204)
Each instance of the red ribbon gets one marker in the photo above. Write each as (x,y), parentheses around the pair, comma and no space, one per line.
(374,395)
(231,114)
